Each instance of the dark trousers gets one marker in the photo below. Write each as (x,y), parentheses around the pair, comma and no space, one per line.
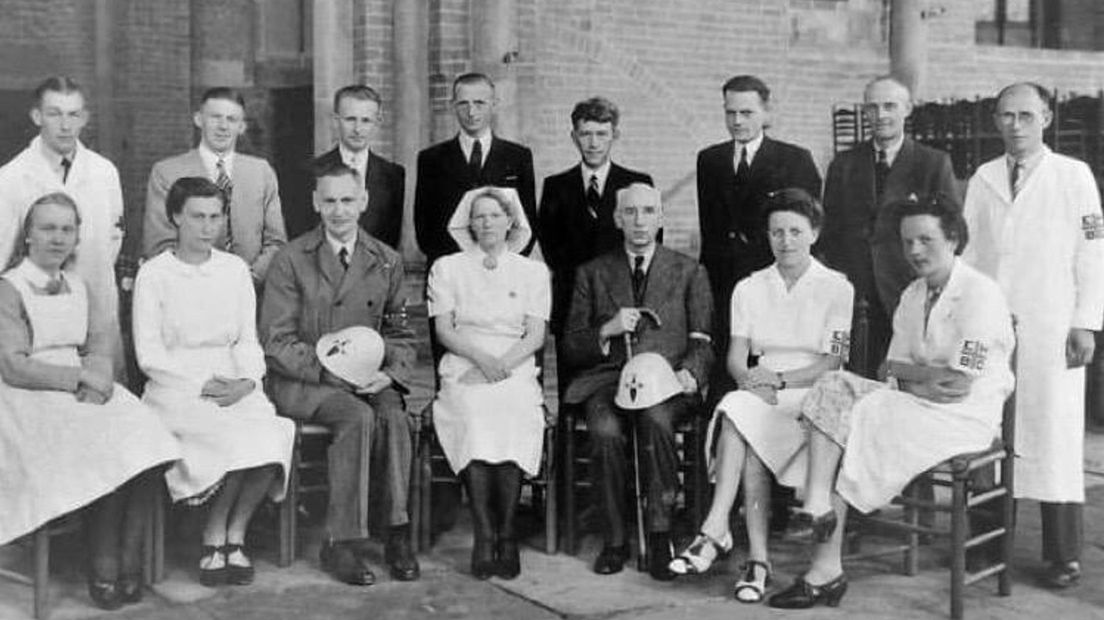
(1063,531)
(608,428)
(370,433)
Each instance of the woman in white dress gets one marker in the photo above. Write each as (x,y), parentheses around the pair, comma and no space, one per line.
(491,306)
(949,358)
(195,337)
(795,318)
(70,436)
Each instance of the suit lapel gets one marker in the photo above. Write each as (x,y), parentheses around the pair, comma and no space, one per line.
(361,262)
(658,291)
(617,279)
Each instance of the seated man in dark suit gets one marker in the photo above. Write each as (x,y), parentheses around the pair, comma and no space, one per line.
(474,158)
(356,116)
(576,208)
(613,296)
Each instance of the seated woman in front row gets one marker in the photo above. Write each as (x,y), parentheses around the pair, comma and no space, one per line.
(69,436)
(795,316)
(952,338)
(195,335)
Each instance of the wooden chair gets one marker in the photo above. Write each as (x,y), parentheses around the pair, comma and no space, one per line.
(307,476)
(690,435)
(972,488)
(432,468)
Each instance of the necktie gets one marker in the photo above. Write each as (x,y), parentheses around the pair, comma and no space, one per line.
(475,162)
(742,168)
(222,180)
(881,172)
(929,302)
(66,165)
(1017,178)
(343,258)
(592,196)
(639,280)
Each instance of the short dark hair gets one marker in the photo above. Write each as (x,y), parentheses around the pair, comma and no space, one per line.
(322,168)
(471,78)
(191,187)
(222,92)
(1040,90)
(21,250)
(595,110)
(941,206)
(794,200)
(361,92)
(747,83)
(56,84)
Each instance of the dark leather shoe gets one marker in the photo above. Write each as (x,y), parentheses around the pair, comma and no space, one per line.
(804,525)
(509,559)
(342,561)
(611,560)
(212,577)
(105,594)
(483,565)
(659,556)
(1062,575)
(130,588)
(803,595)
(237,574)
(400,556)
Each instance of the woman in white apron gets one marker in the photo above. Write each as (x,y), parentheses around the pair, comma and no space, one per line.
(195,337)
(795,316)
(70,436)
(491,307)
(952,338)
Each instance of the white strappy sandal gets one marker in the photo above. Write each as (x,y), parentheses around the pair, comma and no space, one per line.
(749,589)
(700,555)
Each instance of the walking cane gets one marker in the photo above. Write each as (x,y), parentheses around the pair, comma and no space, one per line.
(642,556)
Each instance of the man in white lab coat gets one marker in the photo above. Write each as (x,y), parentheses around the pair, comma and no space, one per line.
(1036,227)
(57,161)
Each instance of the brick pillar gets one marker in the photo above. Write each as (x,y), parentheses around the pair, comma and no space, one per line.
(494,42)
(412,105)
(333,63)
(907,44)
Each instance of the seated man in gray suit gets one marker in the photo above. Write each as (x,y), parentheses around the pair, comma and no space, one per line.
(254,225)
(613,294)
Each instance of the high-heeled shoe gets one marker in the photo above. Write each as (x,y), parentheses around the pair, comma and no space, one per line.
(803,595)
(700,554)
(509,559)
(804,525)
(105,594)
(483,565)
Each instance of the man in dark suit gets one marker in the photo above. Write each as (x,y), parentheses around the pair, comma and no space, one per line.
(357,114)
(860,237)
(612,294)
(474,158)
(734,178)
(576,208)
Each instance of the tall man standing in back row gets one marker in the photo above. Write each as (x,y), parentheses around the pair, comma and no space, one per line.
(1036,228)
(474,158)
(859,237)
(254,225)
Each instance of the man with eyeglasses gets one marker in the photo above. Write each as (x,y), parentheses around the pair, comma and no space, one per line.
(860,238)
(474,158)
(1036,228)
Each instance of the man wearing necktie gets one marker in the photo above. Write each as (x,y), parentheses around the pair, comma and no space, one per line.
(1036,228)
(616,293)
(254,223)
(859,238)
(474,158)
(357,114)
(57,161)
(576,208)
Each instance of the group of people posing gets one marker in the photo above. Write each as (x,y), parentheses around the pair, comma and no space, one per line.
(755,334)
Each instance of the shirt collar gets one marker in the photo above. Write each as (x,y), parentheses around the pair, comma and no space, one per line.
(336,245)
(53,159)
(37,275)
(891,151)
(751,147)
(210,161)
(357,160)
(648,255)
(466,143)
(1029,163)
(602,172)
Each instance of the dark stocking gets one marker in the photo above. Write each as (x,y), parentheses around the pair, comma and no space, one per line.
(508,489)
